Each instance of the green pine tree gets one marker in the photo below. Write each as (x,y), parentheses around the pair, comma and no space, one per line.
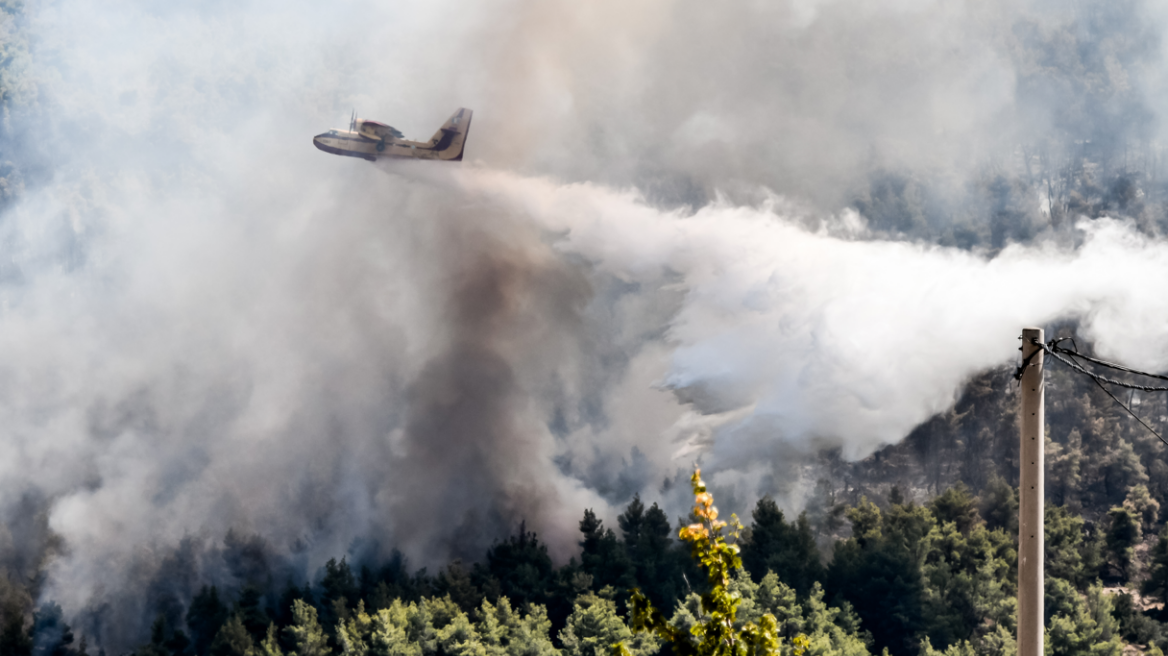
(232,639)
(305,633)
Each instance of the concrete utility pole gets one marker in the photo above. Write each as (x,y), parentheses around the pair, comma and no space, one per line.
(1031,496)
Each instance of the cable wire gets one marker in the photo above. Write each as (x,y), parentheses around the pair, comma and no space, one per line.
(1052,347)
(1056,350)
(1104,363)
(1130,412)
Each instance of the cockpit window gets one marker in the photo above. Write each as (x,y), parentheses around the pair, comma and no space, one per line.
(333,132)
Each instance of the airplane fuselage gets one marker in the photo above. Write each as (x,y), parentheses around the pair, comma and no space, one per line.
(379,141)
(352,144)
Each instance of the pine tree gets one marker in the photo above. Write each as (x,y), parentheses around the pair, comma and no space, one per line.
(521,566)
(1087,628)
(1122,535)
(1157,584)
(52,635)
(455,581)
(306,634)
(603,556)
(232,639)
(338,594)
(649,542)
(251,612)
(788,550)
(13,638)
(270,645)
(458,638)
(1000,506)
(1140,503)
(594,627)
(506,632)
(958,506)
(968,591)
(878,571)
(204,617)
(1066,551)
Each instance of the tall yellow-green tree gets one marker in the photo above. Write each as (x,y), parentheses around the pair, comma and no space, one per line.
(715,634)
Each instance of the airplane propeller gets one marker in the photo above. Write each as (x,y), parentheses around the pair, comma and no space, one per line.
(353,121)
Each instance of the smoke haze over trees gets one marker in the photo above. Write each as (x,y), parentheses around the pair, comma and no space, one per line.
(787,240)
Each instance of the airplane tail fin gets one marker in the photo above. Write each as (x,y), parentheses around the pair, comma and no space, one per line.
(450,139)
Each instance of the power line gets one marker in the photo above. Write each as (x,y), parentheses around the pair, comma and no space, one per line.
(1130,412)
(1052,347)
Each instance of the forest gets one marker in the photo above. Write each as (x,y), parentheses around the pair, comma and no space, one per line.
(910,551)
(910,578)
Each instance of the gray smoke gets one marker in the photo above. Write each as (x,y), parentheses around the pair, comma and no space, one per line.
(737,232)
(473,450)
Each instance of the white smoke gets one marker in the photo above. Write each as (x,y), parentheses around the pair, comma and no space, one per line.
(837,341)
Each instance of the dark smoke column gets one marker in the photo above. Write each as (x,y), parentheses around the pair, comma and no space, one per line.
(473,464)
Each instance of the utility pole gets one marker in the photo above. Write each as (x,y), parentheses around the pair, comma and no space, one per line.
(1031,496)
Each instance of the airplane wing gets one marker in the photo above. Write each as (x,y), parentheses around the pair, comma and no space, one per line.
(376,130)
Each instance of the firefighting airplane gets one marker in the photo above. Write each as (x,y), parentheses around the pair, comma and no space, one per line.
(370,140)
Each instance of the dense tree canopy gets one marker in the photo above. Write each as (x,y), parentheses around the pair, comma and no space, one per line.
(905,577)
(909,578)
